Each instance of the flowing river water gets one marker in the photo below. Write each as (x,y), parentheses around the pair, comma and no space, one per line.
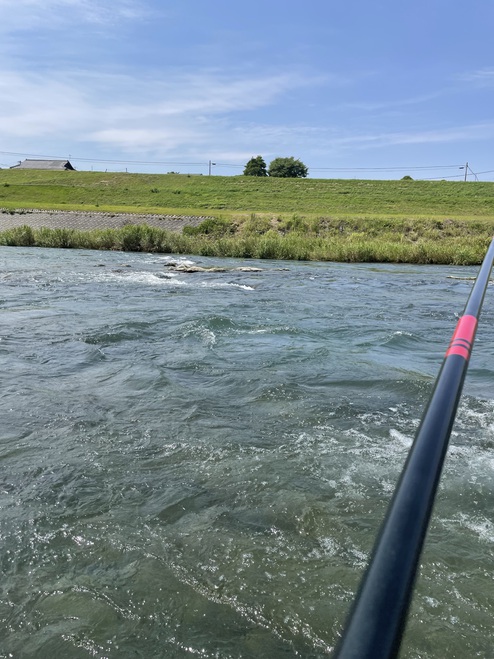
(197,464)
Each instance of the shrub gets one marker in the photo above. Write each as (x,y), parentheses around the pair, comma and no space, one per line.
(63,238)
(256,225)
(287,168)
(296,223)
(19,236)
(213,226)
(131,238)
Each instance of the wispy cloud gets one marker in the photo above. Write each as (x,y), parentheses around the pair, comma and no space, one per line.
(33,105)
(189,114)
(324,140)
(23,15)
(393,104)
(190,110)
(480,77)
(483,131)
(172,111)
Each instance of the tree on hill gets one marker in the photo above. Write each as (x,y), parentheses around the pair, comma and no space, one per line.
(287,168)
(256,167)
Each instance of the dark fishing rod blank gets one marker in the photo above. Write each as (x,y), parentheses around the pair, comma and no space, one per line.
(377,620)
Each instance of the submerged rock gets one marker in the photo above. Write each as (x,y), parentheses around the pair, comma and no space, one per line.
(182,267)
(248,268)
(197,268)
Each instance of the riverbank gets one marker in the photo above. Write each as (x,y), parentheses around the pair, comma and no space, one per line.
(239,196)
(405,221)
(357,240)
(89,221)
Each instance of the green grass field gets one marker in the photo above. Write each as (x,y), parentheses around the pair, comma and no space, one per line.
(234,196)
(320,219)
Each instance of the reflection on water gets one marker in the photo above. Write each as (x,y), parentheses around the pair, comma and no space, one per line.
(197,464)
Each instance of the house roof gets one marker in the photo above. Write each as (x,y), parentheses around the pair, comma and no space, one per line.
(43,164)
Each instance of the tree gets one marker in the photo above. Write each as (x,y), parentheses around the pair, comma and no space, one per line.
(287,168)
(256,167)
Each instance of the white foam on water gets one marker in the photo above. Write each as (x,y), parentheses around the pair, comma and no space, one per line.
(401,438)
(329,546)
(146,278)
(165,279)
(432,602)
(208,337)
(172,260)
(204,334)
(481,526)
(244,287)
(482,419)
(398,334)
(455,451)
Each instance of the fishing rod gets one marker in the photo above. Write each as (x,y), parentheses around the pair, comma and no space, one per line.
(377,619)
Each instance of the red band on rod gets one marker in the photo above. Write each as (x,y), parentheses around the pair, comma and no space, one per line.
(462,341)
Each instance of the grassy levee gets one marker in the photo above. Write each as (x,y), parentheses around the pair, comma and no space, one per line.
(231,195)
(311,219)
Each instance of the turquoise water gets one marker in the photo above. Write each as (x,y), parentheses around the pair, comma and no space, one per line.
(196,465)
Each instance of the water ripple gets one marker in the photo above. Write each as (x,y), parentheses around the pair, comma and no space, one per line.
(198,466)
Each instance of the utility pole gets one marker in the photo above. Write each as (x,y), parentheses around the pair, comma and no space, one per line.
(466,171)
(210,164)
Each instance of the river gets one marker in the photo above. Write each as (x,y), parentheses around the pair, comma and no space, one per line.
(197,464)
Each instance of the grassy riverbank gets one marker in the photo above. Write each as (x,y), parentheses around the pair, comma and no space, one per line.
(239,196)
(311,219)
(451,242)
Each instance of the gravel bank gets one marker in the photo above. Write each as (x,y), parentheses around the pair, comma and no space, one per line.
(87,221)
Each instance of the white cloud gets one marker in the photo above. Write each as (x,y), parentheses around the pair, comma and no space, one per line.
(481,77)
(135,140)
(484,131)
(32,106)
(373,106)
(190,115)
(202,94)
(324,139)
(25,15)
(172,112)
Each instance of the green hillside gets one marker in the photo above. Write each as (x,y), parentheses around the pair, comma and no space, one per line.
(238,196)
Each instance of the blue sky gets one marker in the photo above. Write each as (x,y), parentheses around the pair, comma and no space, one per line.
(354,89)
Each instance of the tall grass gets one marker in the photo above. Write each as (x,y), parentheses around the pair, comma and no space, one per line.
(459,243)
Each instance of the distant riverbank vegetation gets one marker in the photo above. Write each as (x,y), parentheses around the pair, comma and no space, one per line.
(402,221)
(295,238)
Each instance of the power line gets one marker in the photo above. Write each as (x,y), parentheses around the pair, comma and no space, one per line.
(380,169)
(440,178)
(171,162)
(205,163)
(114,162)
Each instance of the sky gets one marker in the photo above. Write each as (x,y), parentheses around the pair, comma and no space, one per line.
(353,89)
